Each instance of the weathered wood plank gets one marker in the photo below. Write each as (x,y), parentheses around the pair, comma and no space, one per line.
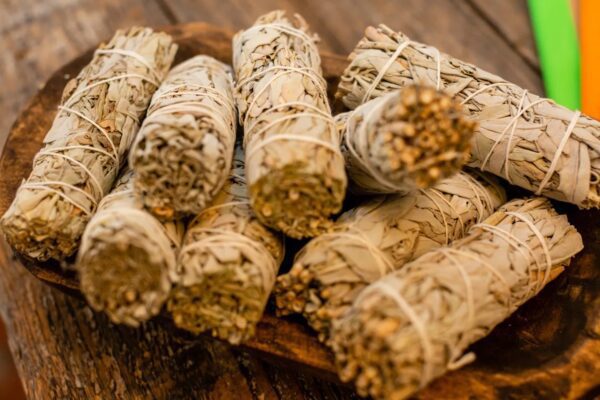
(64,350)
(511,19)
(453,26)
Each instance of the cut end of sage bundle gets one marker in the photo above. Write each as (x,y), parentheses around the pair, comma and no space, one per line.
(226,267)
(127,257)
(377,238)
(294,167)
(99,115)
(182,154)
(408,139)
(415,324)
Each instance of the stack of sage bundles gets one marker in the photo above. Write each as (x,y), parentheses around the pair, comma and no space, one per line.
(531,141)
(127,257)
(294,166)
(404,140)
(227,266)
(96,123)
(182,154)
(377,238)
(412,326)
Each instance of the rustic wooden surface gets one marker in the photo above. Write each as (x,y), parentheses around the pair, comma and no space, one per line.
(64,350)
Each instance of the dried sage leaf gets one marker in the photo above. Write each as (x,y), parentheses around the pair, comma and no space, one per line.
(127,257)
(294,166)
(182,154)
(528,140)
(227,266)
(415,324)
(404,140)
(99,115)
(377,238)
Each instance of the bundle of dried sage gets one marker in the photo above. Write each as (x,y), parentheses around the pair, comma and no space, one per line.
(182,154)
(414,325)
(377,238)
(127,257)
(531,141)
(226,267)
(294,166)
(404,140)
(96,123)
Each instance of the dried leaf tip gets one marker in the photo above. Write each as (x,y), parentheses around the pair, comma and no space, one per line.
(405,140)
(294,167)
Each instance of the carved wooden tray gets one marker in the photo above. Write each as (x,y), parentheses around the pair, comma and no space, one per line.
(549,349)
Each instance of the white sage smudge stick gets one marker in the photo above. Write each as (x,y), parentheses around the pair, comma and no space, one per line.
(413,325)
(294,166)
(96,123)
(182,154)
(404,140)
(528,140)
(127,257)
(377,238)
(227,266)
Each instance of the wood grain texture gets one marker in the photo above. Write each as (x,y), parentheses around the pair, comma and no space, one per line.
(454,26)
(549,349)
(64,350)
(511,20)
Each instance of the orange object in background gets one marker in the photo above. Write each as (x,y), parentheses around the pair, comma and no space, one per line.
(589,38)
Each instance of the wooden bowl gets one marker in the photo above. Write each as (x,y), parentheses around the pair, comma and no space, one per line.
(549,349)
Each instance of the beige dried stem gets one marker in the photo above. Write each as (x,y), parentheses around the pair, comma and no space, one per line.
(404,140)
(127,257)
(412,326)
(97,120)
(226,267)
(182,154)
(294,166)
(528,140)
(377,238)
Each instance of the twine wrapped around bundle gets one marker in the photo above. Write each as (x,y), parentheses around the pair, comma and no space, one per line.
(226,267)
(127,257)
(294,166)
(404,140)
(528,140)
(413,325)
(96,123)
(377,238)
(182,154)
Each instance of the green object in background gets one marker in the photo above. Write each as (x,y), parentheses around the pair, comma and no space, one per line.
(558,50)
